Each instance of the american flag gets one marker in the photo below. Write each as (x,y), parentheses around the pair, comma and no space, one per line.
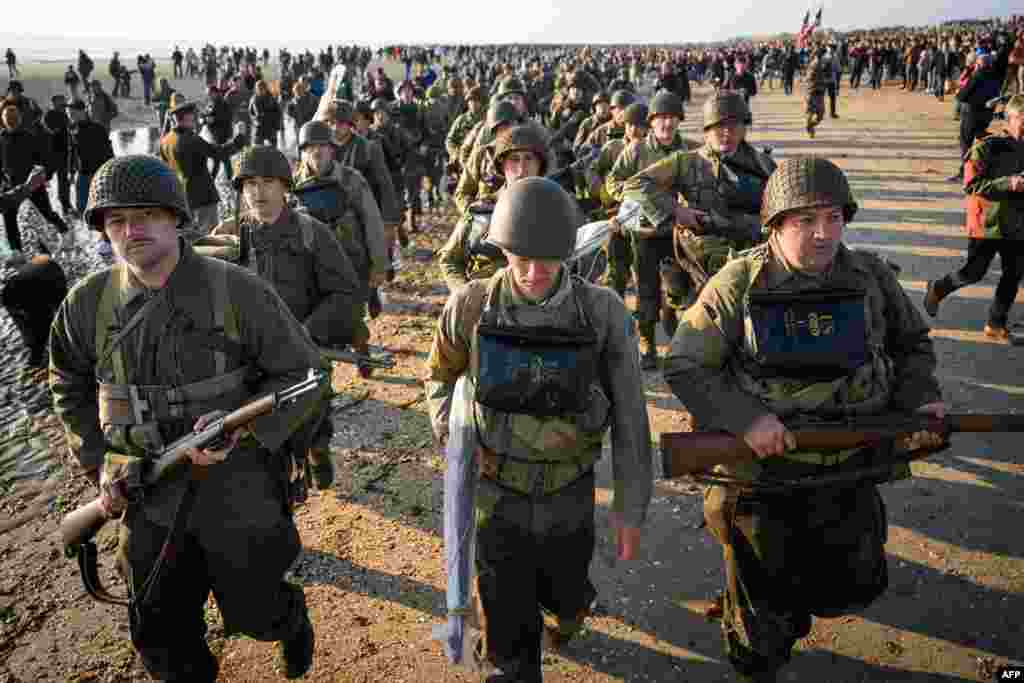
(807,28)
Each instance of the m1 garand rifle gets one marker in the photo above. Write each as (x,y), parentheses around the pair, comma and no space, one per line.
(79,527)
(696,453)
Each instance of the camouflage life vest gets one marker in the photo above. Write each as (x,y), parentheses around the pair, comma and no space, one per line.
(530,454)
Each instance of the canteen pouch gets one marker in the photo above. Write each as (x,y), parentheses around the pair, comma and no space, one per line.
(537,371)
(817,335)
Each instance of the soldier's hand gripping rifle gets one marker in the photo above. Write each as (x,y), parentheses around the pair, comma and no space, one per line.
(695,453)
(78,528)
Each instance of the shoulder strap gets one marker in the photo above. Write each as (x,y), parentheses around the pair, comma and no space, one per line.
(106,319)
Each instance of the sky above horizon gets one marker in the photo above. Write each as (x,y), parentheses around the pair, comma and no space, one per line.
(466,21)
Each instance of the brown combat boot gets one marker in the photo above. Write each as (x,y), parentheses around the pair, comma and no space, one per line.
(997,332)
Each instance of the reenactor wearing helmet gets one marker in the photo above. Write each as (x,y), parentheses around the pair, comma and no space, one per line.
(819,75)
(816,550)
(619,250)
(481,177)
(340,197)
(464,123)
(141,354)
(308,267)
(722,183)
(458,133)
(649,248)
(540,433)
(395,148)
(189,156)
(413,125)
(602,114)
(616,127)
(568,117)
(510,90)
(444,104)
(519,152)
(356,151)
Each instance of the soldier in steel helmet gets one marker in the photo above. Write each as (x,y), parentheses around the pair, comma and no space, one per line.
(396,148)
(616,127)
(480,178)
(519,152)
(649,249)
(511,91)
(340,197)
(619,249)
(600,105)
(140,355)
(814,551)
(464,123)
(540,433)
(459,131)
(308,267)
(190,155)
(356,151)
(816,84)
(722,183)
(412,123)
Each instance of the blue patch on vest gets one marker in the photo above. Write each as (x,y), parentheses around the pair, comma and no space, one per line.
(325,201)
(819,335)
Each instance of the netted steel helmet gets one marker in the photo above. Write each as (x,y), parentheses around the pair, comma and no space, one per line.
(380,104)
(622,99)
(726,105)
(136,180)
(261,161)
(636,114)
(599,98)
(315,133)
(511,86)
(502,112)
(529,137)
(666,103)
(535,218)
(805,183)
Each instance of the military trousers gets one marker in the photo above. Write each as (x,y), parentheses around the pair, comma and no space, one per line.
(243,569)
(649,253)
(533,553)
(792,556)
(620,261)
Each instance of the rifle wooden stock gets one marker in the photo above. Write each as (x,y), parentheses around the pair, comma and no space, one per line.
(81,525)
(684,453)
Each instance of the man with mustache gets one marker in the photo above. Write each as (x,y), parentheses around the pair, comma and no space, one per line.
(862,349)
(142,354)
